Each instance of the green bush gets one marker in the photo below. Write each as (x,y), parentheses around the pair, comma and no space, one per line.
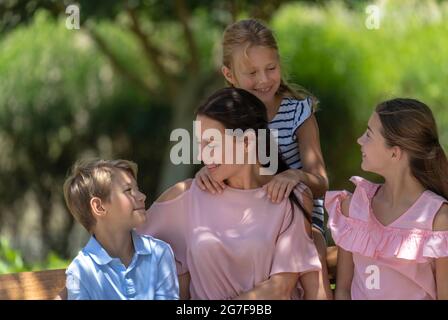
(11,260)
(61,100)
(329,50)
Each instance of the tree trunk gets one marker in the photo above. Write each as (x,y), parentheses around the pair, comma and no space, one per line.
(45,206)
(196,88)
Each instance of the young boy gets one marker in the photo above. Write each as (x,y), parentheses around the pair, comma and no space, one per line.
(116,263)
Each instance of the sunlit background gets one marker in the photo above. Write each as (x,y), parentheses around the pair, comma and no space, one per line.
(135,70)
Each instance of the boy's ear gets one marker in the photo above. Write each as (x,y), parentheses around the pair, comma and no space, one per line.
(228,74)
(96,205)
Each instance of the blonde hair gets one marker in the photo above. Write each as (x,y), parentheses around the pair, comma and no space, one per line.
(249,33)
(88,179)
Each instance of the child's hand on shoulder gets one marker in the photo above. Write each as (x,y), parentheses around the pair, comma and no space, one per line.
(281,185)
(207,183)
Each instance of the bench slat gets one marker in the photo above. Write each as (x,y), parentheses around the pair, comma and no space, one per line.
(38,285)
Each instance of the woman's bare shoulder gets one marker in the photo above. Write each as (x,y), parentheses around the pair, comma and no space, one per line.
(175,191)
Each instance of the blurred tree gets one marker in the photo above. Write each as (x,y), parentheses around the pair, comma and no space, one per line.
(59,99)
(175,39)
(184,78)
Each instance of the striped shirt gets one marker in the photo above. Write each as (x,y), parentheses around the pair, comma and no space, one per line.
(290,116)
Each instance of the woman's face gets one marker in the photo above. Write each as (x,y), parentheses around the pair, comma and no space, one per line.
(222,153)
(375,153)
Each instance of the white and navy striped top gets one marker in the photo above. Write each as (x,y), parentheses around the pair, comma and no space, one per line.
(291,115)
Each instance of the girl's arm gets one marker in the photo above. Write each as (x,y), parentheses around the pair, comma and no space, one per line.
(315,284)
(313,173)
(344,274)
(441,224)
(184,286)
(278,287)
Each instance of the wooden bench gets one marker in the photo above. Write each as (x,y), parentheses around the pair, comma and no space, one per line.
(47,284)
(38,285)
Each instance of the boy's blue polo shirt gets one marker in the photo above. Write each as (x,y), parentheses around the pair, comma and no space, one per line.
(151,275)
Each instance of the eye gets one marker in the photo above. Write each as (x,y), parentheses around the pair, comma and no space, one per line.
(272,68)
(367,134)
(128,190)
(253,73)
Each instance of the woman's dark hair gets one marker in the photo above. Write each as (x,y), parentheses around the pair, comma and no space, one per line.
(410,125)
(239,109)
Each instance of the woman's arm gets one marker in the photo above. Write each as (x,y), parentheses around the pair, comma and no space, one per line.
(441,224)
(344,274)
(278,287)
(313,173)
(314,287)
(62,295)
(184,286)
(166,221)
(281,285)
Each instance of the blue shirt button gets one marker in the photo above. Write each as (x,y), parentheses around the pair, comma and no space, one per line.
(130,287)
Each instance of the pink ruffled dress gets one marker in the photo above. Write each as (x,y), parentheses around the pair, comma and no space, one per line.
(396,261)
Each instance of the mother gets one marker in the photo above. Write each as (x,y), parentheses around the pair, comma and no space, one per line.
(238,245)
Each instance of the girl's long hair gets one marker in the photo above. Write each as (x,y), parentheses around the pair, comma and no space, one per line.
(410,125)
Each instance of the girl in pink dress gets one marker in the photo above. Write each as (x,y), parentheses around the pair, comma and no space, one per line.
(392,238)
(238,245)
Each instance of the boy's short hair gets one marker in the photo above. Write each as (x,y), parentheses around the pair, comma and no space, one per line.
(88,179)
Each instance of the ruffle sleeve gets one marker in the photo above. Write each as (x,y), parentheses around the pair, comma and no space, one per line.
(374,240)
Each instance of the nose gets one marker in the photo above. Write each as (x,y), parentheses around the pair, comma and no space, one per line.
(141,196)
(263,77)
(360,140)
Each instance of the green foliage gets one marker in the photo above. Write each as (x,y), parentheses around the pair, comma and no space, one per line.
(351,69)
(61,100)
(11,260)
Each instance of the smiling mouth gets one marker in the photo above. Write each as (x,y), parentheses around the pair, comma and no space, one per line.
(263,90)
(143,208)
(213,166)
